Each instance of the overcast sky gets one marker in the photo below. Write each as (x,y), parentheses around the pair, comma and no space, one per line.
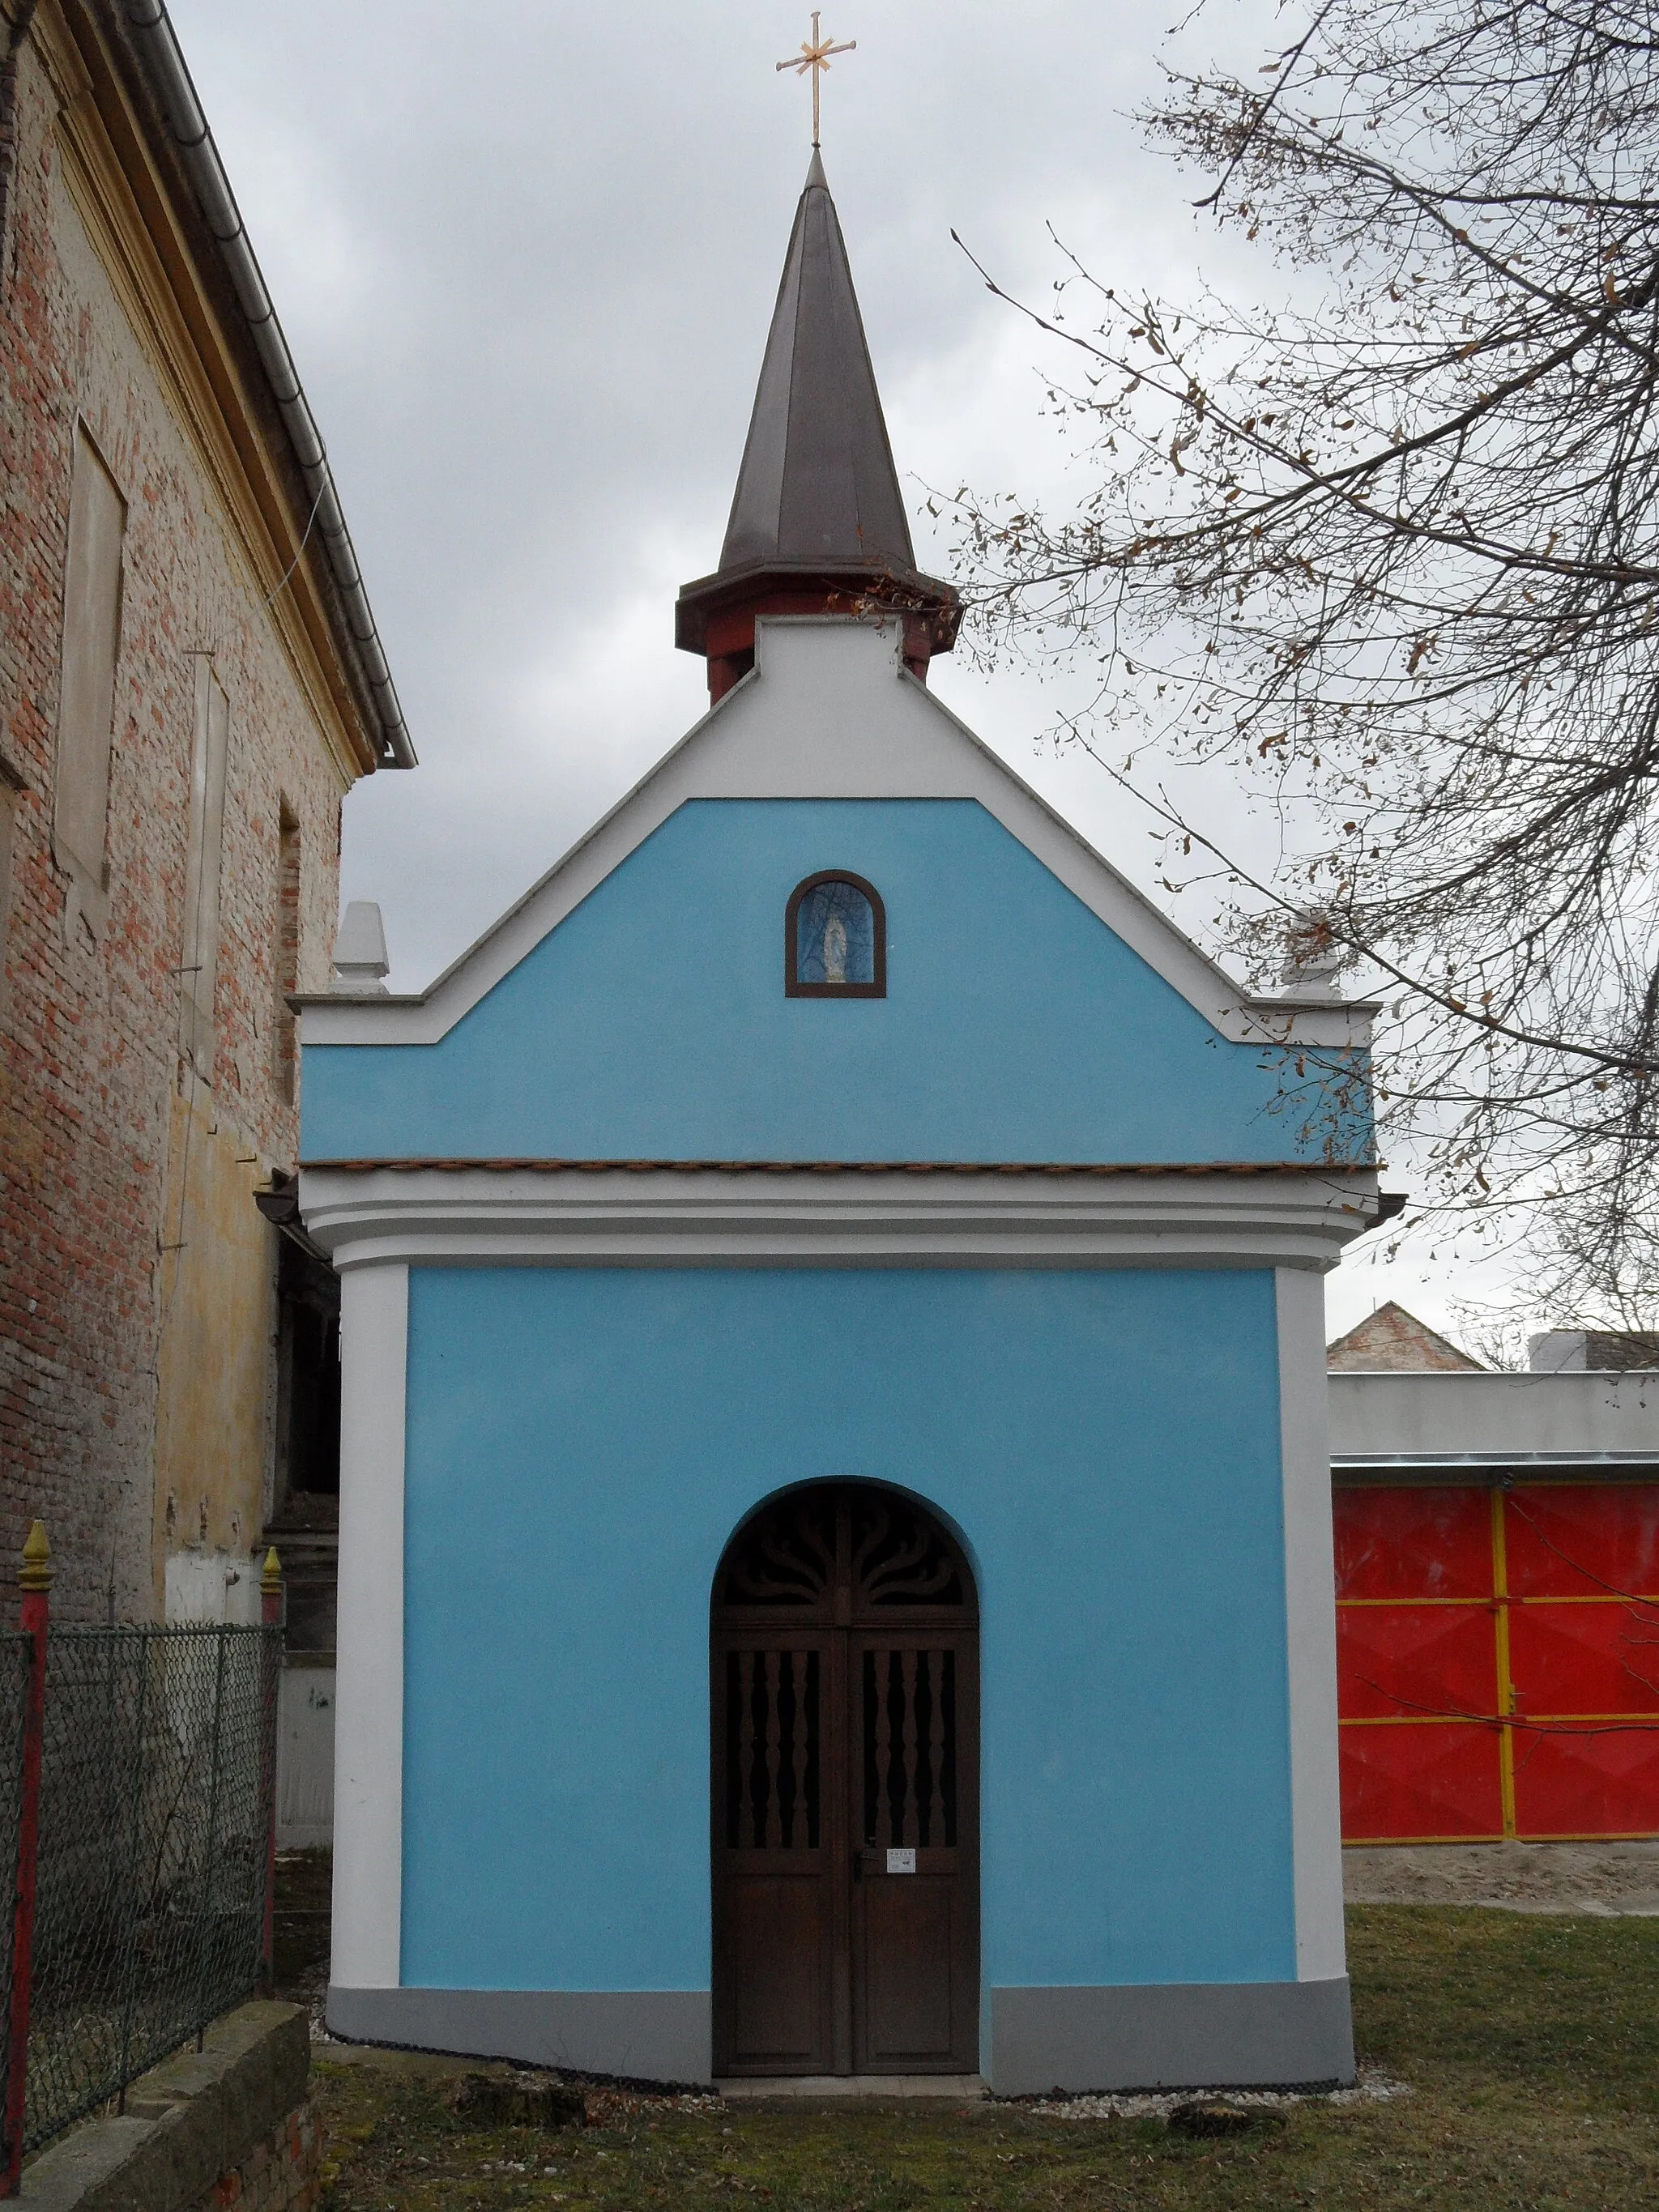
(525,254)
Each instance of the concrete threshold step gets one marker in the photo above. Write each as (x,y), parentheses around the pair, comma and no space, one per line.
(958,2086)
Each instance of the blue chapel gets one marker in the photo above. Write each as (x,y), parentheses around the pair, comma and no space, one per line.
(835,1535)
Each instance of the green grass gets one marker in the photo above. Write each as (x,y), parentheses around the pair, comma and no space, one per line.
(1531,2044)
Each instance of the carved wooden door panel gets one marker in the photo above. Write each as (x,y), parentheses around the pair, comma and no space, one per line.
(779,1858)
(915,1905)
(845,1791)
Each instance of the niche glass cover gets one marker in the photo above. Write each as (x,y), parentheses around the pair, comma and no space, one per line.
(835,940)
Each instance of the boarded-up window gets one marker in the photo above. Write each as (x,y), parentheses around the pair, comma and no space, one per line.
(286,963)
(92,638)
(206,823)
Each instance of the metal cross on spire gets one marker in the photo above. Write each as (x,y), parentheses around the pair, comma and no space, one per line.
(815,54)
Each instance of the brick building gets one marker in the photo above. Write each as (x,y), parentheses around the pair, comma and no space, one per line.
(190,682)
(1392,1340)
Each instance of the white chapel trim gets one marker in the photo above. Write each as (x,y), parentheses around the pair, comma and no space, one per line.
(1310,1627)
(831,712)
(368,1739)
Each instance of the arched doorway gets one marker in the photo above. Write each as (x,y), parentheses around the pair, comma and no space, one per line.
(845,1774)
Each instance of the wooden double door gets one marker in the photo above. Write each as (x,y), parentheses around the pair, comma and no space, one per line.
(845,1647)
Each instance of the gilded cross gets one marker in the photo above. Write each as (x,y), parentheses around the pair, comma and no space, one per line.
(815,54)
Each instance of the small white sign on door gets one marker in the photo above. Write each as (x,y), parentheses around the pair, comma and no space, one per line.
(902,1862)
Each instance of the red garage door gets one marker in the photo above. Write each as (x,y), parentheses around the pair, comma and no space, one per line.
(1497,1655)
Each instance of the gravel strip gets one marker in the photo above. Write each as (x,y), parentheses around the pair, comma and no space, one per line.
(1372,2087)
(1600,1879)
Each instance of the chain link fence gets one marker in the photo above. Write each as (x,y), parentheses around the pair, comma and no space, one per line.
(157,1775)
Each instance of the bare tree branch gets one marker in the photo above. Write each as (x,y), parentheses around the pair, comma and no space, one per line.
(1391,562)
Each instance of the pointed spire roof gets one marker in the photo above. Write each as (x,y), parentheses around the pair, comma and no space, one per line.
(817,481)
(818,519)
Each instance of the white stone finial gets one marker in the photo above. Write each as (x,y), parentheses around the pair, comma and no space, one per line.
(1314,960)
(1319,977)
(360,966)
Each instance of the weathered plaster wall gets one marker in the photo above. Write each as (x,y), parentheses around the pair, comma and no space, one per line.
(305,1758)
(215,1398)
(105,1332)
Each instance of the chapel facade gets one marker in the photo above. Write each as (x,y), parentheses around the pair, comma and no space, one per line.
(836,1555)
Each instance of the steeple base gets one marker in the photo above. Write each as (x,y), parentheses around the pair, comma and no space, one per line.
(716,615)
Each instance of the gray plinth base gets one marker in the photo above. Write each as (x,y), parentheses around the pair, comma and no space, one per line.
(1174,2036)
(651,2035)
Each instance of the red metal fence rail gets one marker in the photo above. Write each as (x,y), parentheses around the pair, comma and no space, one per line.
(36,1582)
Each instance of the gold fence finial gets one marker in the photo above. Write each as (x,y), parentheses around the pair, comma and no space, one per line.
(272,1579)
(38,1568)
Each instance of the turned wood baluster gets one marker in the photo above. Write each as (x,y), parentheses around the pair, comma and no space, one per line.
(797,1808)
(936,1830)
(883,1676)
(909,1809)
(773,1745)
(746,1748)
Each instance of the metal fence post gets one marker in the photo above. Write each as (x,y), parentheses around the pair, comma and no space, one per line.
(35,1581)
(132,1894)
(211,1854)
(270,1616)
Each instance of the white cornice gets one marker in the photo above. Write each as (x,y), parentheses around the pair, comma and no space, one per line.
(856,726)
(834,1218)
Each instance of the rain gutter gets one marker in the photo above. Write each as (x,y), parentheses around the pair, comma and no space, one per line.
(158,48)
